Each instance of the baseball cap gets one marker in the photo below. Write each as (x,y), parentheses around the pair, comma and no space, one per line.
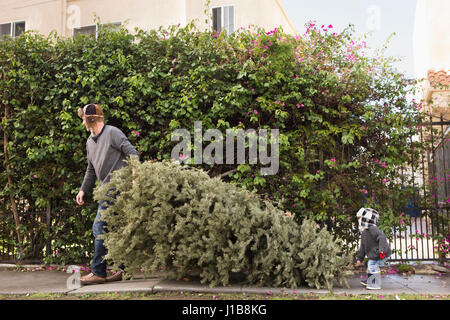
(91,112)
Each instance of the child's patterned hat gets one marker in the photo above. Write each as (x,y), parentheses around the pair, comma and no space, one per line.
(369,217)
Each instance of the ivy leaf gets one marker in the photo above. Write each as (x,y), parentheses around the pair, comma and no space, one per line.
(347,138)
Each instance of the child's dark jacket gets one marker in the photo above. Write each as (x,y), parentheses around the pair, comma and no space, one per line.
(373,242)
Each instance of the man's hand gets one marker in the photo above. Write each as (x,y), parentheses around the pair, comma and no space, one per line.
(80,196)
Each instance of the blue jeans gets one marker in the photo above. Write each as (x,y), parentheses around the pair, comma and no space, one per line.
(373,266)
(98,228)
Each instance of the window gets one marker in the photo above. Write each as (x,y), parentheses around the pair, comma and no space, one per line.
(93,29)
(223,19)
(85,30)
(12,29)
(19,27)
(5,29)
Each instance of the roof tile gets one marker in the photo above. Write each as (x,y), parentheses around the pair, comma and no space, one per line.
(439,78)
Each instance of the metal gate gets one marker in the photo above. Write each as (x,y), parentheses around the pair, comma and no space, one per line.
(425,221)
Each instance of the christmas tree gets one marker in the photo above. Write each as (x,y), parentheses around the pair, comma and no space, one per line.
(181,220)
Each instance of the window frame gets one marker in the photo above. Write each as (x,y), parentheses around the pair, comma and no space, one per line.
(12,32)
(222,15)
(88,26)
(117,24)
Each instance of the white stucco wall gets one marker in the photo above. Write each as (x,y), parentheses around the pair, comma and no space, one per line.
(62,15)
(431,36)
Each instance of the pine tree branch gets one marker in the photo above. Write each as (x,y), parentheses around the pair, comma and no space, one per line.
(227,173)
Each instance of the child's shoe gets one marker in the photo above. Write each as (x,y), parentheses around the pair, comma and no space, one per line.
(364,282)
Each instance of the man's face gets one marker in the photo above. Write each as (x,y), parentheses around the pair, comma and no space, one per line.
(85,124)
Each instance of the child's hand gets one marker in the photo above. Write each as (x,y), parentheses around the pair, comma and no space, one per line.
(358,263)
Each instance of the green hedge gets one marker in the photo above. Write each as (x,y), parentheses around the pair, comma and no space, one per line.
(344,119)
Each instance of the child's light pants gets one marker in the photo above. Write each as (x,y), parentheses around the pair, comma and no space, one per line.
(373,268)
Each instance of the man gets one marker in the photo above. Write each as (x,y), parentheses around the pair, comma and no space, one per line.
(107,149)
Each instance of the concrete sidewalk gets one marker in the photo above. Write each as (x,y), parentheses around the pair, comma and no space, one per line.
(58,282)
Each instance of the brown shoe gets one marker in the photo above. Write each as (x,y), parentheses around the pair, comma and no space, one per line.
(91,279)
(117,276)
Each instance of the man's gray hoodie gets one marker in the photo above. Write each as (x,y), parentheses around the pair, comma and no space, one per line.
(106,152)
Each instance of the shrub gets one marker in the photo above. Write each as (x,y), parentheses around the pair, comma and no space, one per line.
(404,268)
(184,221)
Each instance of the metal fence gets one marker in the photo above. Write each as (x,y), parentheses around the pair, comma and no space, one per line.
(35,226)
(414,242)
(424,221)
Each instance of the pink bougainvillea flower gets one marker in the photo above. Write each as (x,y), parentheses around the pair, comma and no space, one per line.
(35,176)
(330,26)
(255,111)
(333,160)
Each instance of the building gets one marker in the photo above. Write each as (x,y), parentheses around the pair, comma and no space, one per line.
(71,17)
(432,55)
(432,69)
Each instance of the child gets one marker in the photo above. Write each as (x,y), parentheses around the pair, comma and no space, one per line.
(373,245)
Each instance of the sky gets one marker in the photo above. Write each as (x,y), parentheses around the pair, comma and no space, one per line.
(379,17)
